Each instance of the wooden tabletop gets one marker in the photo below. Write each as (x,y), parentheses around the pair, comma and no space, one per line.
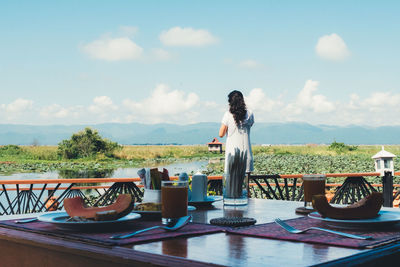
(212,249)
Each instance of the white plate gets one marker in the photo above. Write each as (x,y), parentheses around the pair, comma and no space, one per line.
(384,218)
(59,219)
(208,201)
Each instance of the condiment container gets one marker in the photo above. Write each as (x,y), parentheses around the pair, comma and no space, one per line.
(199,187)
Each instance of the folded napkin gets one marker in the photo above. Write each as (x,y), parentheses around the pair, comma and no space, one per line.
(103,238)
(272,230)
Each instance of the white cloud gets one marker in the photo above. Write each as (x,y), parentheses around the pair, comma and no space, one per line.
(19,105)
(54,111)
(382,100)
(19,108)
(376,109)
(257,101)
(164,105)
(101,105)
(161,54)
(308,106)
(383,103)
(250,64)
(354,100)
(306,99)
(178,36)
(332,47)
(113,49)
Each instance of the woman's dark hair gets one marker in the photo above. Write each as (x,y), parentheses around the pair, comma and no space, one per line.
(237,106)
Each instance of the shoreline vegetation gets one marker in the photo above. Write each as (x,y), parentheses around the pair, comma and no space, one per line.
(268,159)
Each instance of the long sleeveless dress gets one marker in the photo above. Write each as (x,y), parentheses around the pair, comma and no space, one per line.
(238,137)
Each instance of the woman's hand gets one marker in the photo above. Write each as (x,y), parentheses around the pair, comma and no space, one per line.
(222,130)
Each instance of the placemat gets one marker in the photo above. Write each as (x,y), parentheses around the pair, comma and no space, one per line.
(272,230)
(103,238)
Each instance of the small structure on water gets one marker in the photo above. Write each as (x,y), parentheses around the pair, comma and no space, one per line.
(215,146)
(384,161)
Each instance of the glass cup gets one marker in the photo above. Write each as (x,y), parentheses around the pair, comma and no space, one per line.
(235,190)
(174,200)
(313,184)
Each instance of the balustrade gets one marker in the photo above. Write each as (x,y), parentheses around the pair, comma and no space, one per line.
(28,196)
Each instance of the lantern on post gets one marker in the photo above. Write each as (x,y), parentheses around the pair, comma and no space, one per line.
(384,162)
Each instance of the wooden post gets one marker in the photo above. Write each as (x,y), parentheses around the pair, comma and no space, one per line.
(387,182)
(248,184)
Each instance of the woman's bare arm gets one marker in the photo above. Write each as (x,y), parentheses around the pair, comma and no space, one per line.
(222,130)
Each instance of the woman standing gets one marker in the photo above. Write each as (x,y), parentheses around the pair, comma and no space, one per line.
(236,124)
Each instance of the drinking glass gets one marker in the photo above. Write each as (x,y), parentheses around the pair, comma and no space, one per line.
(313,184)
(174,200)
(234,189)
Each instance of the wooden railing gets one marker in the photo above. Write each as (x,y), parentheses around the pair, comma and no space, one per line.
(23,196)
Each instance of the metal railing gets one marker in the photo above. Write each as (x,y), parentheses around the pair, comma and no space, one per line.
(354,187)
(25,196)
(38,195)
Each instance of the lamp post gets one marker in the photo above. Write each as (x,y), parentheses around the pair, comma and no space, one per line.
(384,162)
(384,165)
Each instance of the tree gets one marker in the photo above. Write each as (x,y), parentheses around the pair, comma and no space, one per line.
(10,150)
(86,143)
(341,147)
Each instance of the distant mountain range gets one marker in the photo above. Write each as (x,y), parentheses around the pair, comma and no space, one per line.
(201,133)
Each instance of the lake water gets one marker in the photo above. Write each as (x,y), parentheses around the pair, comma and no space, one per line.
(174,169)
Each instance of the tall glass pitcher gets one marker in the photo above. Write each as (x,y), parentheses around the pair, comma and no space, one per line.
(235,180)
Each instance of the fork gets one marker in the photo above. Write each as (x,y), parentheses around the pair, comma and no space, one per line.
(178,224)
(297,231)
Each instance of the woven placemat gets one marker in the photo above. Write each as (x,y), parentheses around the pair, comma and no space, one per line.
(272,230)
(102,236)
(233,221)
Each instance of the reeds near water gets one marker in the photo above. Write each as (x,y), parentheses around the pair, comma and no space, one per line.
(236,173)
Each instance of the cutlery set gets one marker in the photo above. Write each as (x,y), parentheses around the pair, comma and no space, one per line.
(297,231)
(181,222)
(173,226)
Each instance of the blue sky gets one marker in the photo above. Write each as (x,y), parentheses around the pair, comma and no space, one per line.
(81,62)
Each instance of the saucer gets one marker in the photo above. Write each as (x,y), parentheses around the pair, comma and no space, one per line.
(207,202)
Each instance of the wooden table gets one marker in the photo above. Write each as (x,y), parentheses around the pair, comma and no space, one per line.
(18,248)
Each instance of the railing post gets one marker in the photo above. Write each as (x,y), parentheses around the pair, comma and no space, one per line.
(248,185)
(387,182)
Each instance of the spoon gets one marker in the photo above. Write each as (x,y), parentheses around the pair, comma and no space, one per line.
(179,223)
(26,220)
